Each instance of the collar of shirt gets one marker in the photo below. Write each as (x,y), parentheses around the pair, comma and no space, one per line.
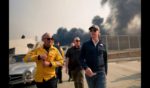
(95,42)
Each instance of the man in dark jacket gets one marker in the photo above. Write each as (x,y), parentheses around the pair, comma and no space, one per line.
(73,55)
(93,59)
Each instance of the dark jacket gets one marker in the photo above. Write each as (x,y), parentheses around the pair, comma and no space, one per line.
(93,57)
(73,54)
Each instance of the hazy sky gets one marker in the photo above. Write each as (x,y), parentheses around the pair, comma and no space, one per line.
(35,17)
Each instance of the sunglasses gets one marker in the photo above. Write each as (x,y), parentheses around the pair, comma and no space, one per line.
(93,30)
(49,39)
(77,40)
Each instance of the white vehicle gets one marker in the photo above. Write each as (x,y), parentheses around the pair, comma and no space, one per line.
(19,71)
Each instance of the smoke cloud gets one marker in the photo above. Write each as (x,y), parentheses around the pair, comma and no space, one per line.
(124,18)
(66,37)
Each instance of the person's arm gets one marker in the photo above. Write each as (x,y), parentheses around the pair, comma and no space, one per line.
(83,63)
(63,55)
(82,57)
(58,60)
(31,56)
(62,52)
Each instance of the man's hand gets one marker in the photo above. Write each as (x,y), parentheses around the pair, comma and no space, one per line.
(46,63)
(89,72)
(43,57)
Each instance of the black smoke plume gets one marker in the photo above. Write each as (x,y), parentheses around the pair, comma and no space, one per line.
(66,37)
(125,16)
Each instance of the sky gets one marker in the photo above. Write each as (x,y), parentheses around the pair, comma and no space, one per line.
(35,17)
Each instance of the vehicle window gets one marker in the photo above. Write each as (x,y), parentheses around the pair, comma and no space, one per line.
(16,58)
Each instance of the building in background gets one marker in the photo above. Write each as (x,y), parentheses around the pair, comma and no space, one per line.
(22,46)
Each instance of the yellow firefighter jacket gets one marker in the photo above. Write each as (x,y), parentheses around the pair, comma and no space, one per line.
(44,72)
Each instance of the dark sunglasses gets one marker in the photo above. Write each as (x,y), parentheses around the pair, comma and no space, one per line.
(93,30)
(77,40)
(49,39)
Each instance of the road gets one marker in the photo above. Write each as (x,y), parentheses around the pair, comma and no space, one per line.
(121,74)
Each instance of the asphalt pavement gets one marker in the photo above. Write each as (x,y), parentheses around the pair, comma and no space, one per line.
(122,73)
